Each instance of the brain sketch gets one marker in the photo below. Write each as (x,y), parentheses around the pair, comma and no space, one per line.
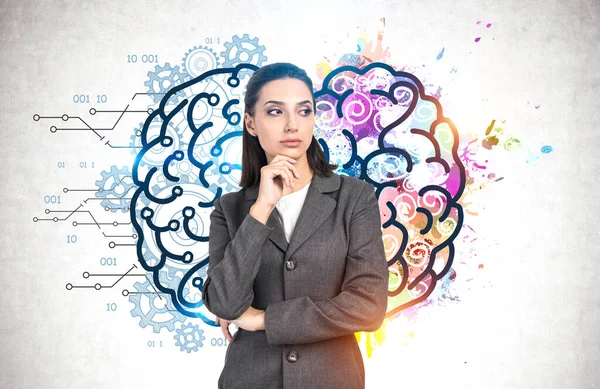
(376,123)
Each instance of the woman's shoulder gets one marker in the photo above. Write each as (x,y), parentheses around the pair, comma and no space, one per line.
(353,191)
(354,184)
(230,199)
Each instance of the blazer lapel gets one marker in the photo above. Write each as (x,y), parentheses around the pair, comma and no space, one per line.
(278,235)
(316,208)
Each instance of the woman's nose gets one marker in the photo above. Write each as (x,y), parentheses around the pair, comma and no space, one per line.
(292,124)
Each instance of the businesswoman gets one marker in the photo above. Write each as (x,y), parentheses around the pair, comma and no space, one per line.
(296,258)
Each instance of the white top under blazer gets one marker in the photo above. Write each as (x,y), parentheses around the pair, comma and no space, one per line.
(289,207)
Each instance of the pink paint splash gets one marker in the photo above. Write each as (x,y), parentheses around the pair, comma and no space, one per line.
(487,26)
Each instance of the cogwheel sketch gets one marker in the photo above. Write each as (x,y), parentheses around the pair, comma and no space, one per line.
(189,338)
(163,79)
(198,60)
(153,309)
(243,50)
(114,188)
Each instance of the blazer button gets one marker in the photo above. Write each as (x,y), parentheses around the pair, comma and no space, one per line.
(292,356)
(290,264)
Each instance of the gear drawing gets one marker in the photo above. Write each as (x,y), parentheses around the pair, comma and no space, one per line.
(154,309)
(243,50)
(162,79)
(113,189)
(189,337)
(199,59)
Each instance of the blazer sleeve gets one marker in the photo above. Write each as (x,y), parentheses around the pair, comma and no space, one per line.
(362,303)
(233,264)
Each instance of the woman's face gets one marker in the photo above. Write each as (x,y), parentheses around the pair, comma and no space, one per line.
(284,110)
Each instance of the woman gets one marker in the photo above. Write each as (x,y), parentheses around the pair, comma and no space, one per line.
(297,261)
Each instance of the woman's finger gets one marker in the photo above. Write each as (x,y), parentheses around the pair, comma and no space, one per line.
(288,165)
(225,329)
(293,169)
(285,174)
(273,172)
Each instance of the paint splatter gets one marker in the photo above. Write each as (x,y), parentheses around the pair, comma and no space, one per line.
(487,26)
(490,142)
(512,144)
(441,54)
(546,149)
(489,129)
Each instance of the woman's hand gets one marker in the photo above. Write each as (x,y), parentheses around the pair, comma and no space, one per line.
(281,171)
(224,327)
(251,320)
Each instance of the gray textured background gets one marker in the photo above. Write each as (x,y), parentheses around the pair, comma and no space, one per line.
(536,328)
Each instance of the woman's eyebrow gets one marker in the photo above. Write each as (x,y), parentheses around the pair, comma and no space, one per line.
(281,102)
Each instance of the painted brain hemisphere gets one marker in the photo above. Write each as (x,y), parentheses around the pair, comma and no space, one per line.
(379,125)
(375,122)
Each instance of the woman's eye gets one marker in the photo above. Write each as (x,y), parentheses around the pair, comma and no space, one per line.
(306,111)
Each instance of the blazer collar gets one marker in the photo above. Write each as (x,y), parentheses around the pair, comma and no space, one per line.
(316,209)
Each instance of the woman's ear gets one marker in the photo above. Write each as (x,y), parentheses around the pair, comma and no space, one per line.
(249,124)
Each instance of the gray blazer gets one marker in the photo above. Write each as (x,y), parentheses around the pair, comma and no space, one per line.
(328,282)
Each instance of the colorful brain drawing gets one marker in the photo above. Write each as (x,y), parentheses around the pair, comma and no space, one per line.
(381,127)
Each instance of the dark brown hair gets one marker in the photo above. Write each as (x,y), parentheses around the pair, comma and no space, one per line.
(253,155)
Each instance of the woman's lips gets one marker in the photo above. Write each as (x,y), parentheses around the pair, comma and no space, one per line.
(291,143)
